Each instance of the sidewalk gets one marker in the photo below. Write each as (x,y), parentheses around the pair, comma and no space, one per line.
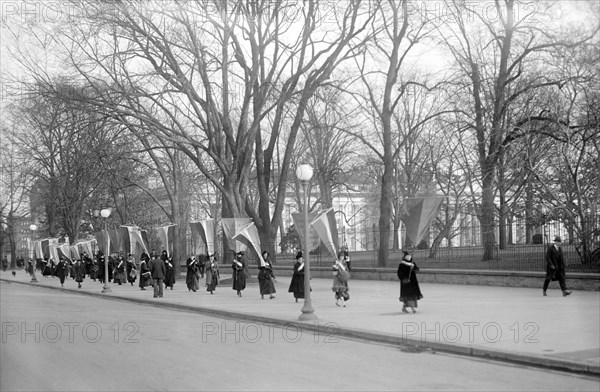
(506,323)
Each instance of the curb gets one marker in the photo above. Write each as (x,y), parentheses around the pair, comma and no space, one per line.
(358,334)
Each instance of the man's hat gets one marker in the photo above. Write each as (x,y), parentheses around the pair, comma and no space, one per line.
(557,239)
(298,255)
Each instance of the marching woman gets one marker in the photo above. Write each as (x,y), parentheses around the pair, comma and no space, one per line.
(409,286)
(145,275)
(61,271)
(212,274)
(340,280)
(297,283)
(265,277)
(170,273)
(79,269)
(131,269)
(191,277)
(239,273)
(119,274)
(47,266)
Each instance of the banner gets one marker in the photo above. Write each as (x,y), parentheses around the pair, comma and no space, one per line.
(53,249)
(136,240)
(166,236)
(326,227)
(230,227)
(313,237)
(203,235)
(119,240)
(64,251)
(418,214)
(248,235)
(85,246)
(103,241)
(75,252)
(39,252)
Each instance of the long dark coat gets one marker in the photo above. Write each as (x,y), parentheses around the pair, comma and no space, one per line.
(191,277)
(131,277)
(239,275)
(170,273)
(409,285)
(145,276)
(212,276)
(79,270)
(61,271)
(297,283)
(555,263)
(265,279)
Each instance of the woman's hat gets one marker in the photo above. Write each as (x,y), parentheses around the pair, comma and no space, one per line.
(557,239)
(298,255)
(240,253)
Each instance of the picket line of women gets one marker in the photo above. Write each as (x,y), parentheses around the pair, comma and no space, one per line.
(206,267)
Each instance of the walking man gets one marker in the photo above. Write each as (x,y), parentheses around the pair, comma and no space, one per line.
(555,267)
(158,272)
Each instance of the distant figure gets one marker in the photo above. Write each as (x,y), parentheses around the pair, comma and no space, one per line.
(61,271)
(410,291)
(341,275)
(238,276)
(158,272)
(145,275)
(4,263)
(265,277)
(555,267)
(119,270)
(79,271)
(297,283)
(131,269)
(212,273)
(202,264)
(170,275)
(191,277)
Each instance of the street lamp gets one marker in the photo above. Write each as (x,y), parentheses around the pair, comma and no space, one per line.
(304,173)
(33,228)
(105,213)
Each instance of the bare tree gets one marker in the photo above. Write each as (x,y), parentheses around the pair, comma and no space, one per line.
(208,75)
(494,53)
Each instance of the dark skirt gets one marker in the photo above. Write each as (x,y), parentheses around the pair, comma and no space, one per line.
(191,280)
(410,291)
(212,284)
(131,275)
(297,286)
(239,280)
(266,286)
(170,278)
(145,280)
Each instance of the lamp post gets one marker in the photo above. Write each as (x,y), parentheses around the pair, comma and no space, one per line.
(33,228)
(105,213)
(304,173)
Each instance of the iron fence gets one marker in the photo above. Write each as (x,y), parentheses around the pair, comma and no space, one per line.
(463,251)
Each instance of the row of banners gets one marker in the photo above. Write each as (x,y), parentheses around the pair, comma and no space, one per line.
(417,217)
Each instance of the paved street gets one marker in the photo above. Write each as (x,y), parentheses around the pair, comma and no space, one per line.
(59,340)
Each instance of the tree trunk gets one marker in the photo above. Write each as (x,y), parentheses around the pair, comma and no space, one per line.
(384,217)
(487,213)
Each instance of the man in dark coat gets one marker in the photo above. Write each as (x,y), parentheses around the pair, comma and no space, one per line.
(555,267)
(158,272)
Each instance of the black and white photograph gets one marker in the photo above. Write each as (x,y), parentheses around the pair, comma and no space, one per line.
(300,195)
